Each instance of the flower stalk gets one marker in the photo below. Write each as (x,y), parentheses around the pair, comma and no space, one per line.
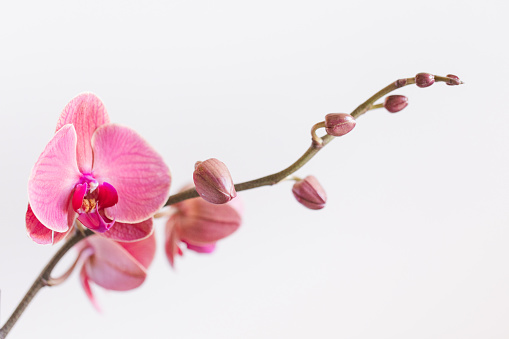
(317,142)
(42,280)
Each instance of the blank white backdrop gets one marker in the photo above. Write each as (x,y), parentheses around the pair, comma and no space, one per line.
(413,240)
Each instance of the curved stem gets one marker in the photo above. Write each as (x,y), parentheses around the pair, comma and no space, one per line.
(316,139)
(313,149)
(41,281)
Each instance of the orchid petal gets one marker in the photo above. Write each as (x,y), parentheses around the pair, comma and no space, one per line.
(130,232)
(88,291)
(202,222)
(172,240)
(112,267)
(52,180)
(230,212)
(107,195)
(143,251)
(199,231)
(126,161)
(207,248)
(78,195)
(40,233)
(95,221)
(86,112)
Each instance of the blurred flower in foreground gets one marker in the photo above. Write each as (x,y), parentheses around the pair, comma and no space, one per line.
(96,171)
(200,224)
(213,181)
(118,266)
(310,193)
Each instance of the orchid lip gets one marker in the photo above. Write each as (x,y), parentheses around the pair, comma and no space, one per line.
(90,199)
(95,221)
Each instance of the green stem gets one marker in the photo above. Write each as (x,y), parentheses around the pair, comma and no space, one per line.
(312,150)
(41,281)
(381,105)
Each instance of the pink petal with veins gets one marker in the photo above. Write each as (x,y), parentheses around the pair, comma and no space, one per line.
(230,212)
(138,173)
(40,233)
(143,251)
(53,179)
(200,231)
(201,222)
(86,112)
(130,232)
(113,267)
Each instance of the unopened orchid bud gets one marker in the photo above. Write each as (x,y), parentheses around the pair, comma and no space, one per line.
(338,124)
(213,181)
(424,79)
(395,103)
(310,193)
(453,80)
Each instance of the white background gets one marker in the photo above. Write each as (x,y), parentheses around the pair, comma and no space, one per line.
(413,242)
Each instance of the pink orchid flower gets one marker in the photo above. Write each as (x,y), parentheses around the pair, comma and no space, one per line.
(200,224)
(118,266)
(97,172)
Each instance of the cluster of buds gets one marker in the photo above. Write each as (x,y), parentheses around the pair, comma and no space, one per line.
(395,103)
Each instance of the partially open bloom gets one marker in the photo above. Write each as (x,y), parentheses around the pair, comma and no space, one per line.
(213,181)
(200,224)
(339,124)
(97,172)
(310,193)
(118,266)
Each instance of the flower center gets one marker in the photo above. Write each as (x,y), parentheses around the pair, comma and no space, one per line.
(90,199)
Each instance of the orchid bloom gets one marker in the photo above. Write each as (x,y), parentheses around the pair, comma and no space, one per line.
(97,172)
(200,224)
(118,266)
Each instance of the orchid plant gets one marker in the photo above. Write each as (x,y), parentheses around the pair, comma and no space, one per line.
(98,186)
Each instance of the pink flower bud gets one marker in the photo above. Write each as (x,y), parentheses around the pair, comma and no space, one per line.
(338,124)
(395,103)
(310,193)
(453,80)
(213,181)
(424,79)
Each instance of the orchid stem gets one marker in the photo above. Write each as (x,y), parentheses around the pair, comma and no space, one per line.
(42,280)
(312,150)
(381,105)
